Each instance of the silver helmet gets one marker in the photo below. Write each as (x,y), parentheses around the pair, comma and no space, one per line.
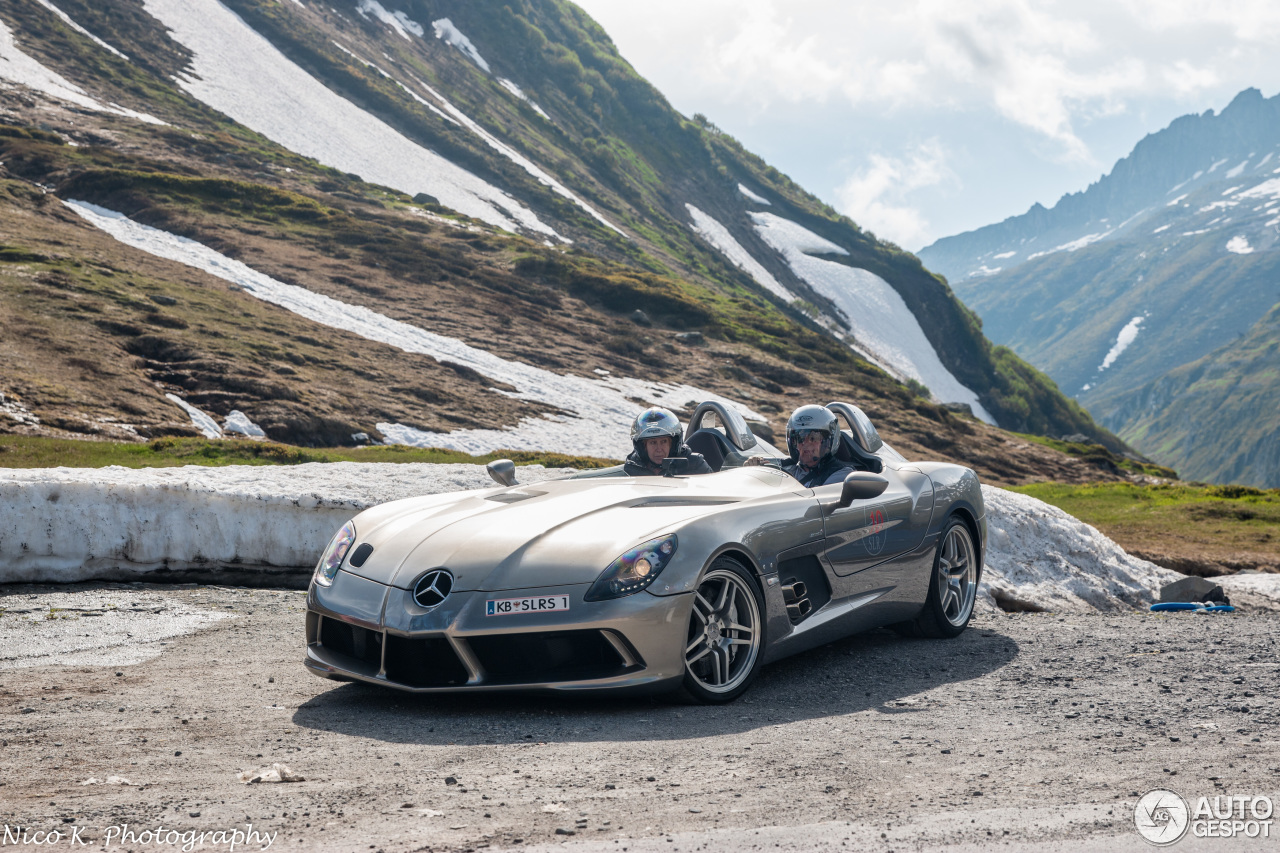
(656,423)
(807,419)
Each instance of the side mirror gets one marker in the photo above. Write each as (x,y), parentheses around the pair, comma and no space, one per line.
(503,472)
(674,465)
(861,486)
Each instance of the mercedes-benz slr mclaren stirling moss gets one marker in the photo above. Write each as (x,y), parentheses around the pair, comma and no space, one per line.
(601,581)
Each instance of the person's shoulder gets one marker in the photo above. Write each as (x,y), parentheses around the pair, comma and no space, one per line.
(838,475)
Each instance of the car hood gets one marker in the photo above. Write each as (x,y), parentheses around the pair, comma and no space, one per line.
(543,534)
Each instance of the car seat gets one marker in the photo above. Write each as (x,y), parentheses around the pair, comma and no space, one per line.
(711,444)
(850,453)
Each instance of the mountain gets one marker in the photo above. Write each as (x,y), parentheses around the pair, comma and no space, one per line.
(456,224)
(1164,270)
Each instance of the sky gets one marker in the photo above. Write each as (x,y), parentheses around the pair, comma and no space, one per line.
(925,118)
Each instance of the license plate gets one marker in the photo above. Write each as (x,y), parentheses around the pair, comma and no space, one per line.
(540,604)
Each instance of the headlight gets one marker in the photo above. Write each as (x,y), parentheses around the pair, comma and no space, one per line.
(634,570)
(334,553)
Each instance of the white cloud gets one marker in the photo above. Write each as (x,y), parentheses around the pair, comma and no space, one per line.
(876,197)
(1048,65)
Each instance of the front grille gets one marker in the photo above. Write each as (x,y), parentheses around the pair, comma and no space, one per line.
(424,663)
(353,641)
(549,656)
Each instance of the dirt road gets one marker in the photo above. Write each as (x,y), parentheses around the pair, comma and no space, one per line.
(1031,730)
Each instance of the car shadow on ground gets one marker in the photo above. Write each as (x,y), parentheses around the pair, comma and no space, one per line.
(877,671)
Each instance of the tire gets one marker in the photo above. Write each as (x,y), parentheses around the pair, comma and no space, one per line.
(725,638)
(953,587)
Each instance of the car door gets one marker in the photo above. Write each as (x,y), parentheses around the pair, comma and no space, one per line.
(870,532)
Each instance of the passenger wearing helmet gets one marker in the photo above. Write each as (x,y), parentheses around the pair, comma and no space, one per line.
(655,436)
(813,436)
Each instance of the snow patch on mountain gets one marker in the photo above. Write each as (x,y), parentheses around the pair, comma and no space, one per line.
(1127,336)
(14,410)
(878,315)
(1073,245)
(449,34)
(66,19)
(519,93)
(398,21)
(1266,189)
(588,403)
(984,270)
(709,228)
(516,157)
(1239,245)
(202,420)
(756,197)
(18,67)
(235,70)
(238,422)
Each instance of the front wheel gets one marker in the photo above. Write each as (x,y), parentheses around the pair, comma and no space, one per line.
(725,635)
(953,587)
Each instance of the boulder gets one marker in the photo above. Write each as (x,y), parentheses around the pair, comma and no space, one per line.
(1192,589)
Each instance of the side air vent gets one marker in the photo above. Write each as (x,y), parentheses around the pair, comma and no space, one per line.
(360,554)
(804,587)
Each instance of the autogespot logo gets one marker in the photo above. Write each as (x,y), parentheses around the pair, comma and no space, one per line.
(1162,817)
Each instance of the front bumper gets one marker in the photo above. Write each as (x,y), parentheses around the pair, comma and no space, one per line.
(361,630)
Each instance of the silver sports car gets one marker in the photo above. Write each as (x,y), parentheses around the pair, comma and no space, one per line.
(601,581)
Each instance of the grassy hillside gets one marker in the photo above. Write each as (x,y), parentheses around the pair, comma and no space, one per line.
(1215,418)
(1191,528)
(96,333)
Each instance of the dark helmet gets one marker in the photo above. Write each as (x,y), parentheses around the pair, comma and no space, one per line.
(656,423)
(807,419)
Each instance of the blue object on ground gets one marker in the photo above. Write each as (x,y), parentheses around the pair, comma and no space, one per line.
(1196,606)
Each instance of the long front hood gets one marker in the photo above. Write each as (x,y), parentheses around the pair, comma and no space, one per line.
(544,534)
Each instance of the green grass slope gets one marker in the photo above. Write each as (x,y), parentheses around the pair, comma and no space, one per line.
(1215,419)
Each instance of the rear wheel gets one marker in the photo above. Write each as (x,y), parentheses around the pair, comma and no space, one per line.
(725,636)
(953,587)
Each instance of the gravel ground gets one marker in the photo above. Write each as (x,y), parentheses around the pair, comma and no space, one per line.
(1032,731)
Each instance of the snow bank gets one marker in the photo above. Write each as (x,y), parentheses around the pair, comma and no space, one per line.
(1040,558)
(69,524)
(449,34)
(709,228)
(17,67)
(598,409)
(240,73)
(879,317)
(1256,589)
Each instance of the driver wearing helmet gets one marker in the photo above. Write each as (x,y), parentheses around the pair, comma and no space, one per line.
(813,435)
(655,436)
